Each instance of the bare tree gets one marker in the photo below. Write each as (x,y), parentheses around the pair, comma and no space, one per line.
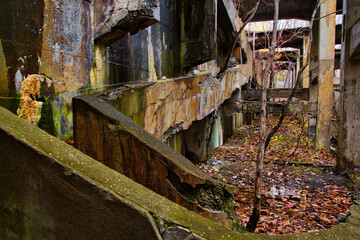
(255,216)
(265,140)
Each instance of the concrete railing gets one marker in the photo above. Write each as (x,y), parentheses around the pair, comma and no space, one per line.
(113,139)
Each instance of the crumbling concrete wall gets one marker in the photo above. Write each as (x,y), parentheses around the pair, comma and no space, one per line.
(349,141)
(167,106)
(49,40)
(53,191)
(86,47)
(184,37)
(113,19)
(52,39)
(75,47)
(110,137)
(119,58)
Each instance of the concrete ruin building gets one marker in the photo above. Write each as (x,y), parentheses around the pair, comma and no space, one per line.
(135,84)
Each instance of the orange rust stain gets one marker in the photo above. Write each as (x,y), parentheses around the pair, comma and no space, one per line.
(29,107)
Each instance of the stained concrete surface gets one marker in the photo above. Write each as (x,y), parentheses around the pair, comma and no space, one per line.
(53,191)
(349,131)
(74,197)
(113,139)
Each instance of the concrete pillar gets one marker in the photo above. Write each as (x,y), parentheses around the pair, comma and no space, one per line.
(217,133)
(313,76)
(99,73)
(238,120)
(305,74)
(298,62)
(259,70)
(322,89)
(349,130)
(227,126)
(198,32)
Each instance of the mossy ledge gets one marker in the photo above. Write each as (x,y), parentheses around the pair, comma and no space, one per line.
(112,138)
(75,167)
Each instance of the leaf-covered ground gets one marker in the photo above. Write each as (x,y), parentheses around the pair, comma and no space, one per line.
(301,192)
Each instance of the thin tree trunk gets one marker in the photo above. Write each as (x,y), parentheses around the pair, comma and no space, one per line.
(255,216)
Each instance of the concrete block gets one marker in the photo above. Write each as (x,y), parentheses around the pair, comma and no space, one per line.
(134,5)
(120,4)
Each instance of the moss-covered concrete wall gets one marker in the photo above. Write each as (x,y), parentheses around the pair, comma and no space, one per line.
(49,190)
(70,47)
(349,142)
(52,40)
(167,106)
(151,53)
(113,139)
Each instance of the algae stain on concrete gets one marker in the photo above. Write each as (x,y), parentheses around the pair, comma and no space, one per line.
(176,142)
(151,61)
(99,72)
(131,104)
(63,115)
(4,76)
(46,121)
